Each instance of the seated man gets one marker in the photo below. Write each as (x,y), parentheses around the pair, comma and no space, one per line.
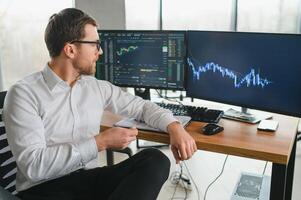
(52,118)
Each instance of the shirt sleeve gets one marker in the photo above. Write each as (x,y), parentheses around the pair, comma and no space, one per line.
(128,105)
(26,137)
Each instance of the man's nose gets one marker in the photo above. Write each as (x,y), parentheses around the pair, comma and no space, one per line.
(100,52)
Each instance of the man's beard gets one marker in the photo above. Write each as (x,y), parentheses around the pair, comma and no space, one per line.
(88,70)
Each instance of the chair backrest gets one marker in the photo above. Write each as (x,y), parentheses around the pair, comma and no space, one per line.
(5,195)
(8,167)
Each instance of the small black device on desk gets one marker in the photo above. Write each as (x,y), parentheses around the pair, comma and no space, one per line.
(211,129)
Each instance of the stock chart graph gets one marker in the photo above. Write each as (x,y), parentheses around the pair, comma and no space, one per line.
(124,50)
(251,70)
(250,79)
(143,53)
(153,59)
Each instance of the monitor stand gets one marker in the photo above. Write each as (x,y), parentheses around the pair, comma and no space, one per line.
(245,116)
(144,93)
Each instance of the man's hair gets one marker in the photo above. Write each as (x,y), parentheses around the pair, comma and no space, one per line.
(66,26)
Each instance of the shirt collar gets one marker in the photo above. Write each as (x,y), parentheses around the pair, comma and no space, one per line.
(51,79)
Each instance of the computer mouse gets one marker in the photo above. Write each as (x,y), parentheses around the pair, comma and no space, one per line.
(211,129)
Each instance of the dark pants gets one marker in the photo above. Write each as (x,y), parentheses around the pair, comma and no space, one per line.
(139,177)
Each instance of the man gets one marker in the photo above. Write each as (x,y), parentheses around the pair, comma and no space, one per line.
(53,119)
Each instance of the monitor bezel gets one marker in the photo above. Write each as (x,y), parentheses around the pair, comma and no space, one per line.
(154,31)
(249,106)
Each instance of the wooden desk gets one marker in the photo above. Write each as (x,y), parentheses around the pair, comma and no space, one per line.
(243,139)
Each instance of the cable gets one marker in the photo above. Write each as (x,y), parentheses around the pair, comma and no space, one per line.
(170,98)
(216,177)
(265,166)
(175,179)
(196,187)
(174,192)
(181,96)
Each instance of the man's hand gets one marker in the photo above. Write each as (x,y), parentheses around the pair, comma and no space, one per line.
(115,138)
(182,144)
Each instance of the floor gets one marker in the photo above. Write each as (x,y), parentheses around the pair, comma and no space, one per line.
(204,167)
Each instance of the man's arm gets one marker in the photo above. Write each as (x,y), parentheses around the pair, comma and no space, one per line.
(182,144)
(115,138)
(26,135)
(128,105)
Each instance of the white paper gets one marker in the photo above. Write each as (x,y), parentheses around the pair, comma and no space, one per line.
(268,125)
(131,122)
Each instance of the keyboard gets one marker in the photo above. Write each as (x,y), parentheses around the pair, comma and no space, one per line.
(201,114)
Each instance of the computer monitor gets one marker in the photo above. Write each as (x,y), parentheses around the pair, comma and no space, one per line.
(252,70)
(142,59)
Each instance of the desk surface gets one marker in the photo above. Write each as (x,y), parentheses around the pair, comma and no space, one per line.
(238,138)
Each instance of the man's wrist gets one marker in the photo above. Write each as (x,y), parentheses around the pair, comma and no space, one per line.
(173,127)
(99,142)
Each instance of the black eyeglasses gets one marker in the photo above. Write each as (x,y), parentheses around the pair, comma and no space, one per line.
(87,42)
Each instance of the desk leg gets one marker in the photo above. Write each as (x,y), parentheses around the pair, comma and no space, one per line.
(282,178)
(290,172)
(110,157)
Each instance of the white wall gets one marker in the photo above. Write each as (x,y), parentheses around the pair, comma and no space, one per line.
(1,77)
(110,14)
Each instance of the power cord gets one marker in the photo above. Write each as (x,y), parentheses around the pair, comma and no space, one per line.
(196,187)
(216,177)
(181,96)
(173,99)
(265,166)
(177,178)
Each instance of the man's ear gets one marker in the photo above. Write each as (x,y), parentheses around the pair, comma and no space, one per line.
(69,50)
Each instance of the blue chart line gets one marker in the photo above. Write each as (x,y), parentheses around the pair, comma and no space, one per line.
(250,79)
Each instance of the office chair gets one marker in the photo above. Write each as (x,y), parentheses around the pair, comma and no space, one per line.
(5,195)
(8,168)
(110,155)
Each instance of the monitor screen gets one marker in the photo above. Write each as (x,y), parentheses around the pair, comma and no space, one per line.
(146,59)
(254,70)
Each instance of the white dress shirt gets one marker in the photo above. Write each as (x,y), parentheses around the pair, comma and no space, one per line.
(51,126)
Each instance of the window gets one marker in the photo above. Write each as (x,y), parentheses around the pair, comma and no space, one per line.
(22,47)
(256,15)
(142,14)
(197,14)
(269,16)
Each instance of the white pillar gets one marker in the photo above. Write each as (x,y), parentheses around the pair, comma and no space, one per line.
(109,14)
